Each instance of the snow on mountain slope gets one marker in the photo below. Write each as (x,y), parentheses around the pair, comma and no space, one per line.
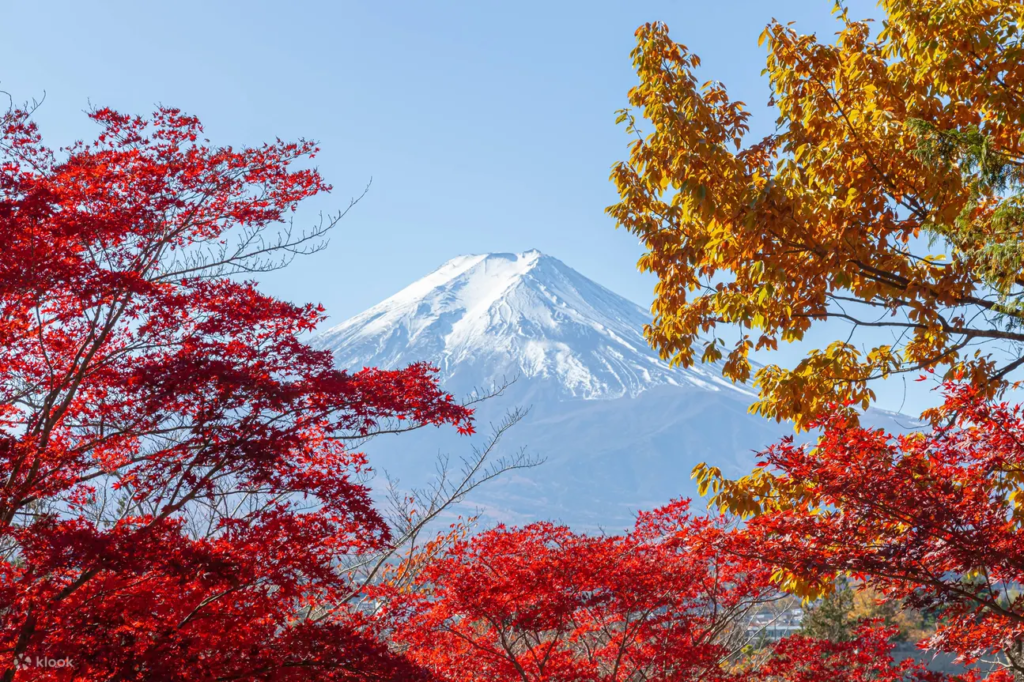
(481,318)
(619,428)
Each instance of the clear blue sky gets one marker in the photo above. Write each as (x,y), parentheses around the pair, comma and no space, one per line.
(485,125)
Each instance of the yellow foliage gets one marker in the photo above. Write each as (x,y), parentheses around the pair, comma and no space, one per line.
(886,199)
(868,604)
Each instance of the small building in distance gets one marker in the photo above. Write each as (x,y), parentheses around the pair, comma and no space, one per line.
(769,626)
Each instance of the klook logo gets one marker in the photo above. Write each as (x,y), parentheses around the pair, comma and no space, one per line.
(27,661)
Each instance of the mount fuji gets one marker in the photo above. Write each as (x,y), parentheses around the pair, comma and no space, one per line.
(618,427)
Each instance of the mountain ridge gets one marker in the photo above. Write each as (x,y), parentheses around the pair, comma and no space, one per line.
(619,428)
(527,314)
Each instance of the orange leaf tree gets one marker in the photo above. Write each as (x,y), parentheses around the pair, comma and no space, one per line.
(889,197)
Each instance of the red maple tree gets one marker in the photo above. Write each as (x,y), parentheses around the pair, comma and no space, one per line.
(669,601)
(544,603)
(177,501)
(932,520)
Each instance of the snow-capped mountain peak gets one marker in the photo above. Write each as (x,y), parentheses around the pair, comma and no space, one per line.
(480,318)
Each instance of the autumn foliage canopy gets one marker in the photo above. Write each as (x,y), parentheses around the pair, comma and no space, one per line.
(667,602)
(180,501)
(888,198)
(543,603)
(181,492)
(177,498)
